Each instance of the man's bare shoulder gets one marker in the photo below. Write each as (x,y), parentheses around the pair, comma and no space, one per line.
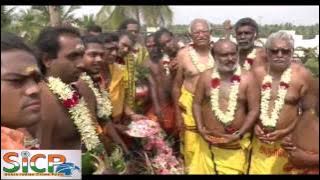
(301,71)
(182,53)
(248,77)
(261,56)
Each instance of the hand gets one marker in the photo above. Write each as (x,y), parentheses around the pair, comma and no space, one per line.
(222,140)
(137,117)
(275,135)
(260,134)
(287,144)
(258,131)
(297,157)
(229,138)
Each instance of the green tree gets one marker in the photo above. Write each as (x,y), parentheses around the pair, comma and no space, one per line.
(30,23)
(66,13)
(87,20)
(110,17)
(6,17)
(310,59)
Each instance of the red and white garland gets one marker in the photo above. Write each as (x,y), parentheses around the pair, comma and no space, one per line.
(78,110)
(225,117)
(195,60)
(104,106)
(249,60)
(271,121)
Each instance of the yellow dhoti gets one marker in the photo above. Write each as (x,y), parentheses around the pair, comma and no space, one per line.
(195,149)
(232,161)
(267,158)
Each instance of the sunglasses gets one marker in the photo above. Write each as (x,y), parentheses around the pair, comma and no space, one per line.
(284,52)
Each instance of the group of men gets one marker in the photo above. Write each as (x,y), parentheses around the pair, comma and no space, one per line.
(232,108)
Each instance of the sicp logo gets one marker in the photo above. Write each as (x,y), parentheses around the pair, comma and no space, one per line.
(40,164)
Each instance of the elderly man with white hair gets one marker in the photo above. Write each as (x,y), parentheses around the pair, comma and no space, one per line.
(285,87)
(194,59)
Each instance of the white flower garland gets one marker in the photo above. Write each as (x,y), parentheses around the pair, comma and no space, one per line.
(195,60)
(252,56)
(104,106)
(271,121)
(225,117)
(79,112)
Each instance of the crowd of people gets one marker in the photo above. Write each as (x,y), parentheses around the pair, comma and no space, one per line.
(228,107)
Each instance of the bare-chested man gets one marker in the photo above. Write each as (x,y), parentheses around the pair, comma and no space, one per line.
(20,93)
(246,30)
(226,106)
(192,60)
(161,80)
(61,57)
(303,144)
(284,86)
(92,63)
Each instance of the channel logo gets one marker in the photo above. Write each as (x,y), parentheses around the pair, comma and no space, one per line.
(40,164)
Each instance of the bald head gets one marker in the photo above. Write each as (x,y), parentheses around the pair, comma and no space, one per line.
(225,55)
(222,44)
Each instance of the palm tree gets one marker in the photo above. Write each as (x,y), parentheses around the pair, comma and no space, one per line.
(6,17)
(110,17)
(30,23)
(59,12)
(54,14)
(87,20)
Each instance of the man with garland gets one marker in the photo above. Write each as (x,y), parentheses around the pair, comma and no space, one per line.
(92,61)
(284,86)
(192,60)
(251,56)
(20,93)
(226,107)
(61,52)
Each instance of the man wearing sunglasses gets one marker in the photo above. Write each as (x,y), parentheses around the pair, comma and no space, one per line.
(285,88)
